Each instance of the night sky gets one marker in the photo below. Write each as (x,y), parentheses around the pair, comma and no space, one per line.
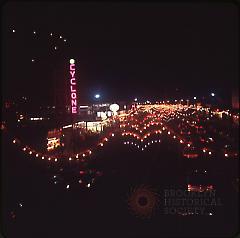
(122,50)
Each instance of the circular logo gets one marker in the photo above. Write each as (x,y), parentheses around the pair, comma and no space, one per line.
(143,201)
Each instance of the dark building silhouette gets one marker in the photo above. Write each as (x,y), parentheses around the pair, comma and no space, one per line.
(235,99)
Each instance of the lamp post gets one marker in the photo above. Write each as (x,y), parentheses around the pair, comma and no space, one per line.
(97,97)
(195,102)
(212,99)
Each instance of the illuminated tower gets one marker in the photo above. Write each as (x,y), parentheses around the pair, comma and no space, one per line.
(73,87)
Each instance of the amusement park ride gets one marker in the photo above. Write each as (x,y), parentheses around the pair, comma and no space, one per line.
(190,127)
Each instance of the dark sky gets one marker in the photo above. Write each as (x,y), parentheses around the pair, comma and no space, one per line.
(122,50)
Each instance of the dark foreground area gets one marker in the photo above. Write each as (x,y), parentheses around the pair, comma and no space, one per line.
(34,207)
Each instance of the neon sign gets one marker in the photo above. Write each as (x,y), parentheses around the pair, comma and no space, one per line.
(73,87)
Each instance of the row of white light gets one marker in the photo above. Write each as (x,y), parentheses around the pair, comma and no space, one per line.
(204,150)
(42,156)
(138,146)
(181,141)
(101,144)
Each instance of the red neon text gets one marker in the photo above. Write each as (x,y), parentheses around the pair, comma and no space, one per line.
(73,89)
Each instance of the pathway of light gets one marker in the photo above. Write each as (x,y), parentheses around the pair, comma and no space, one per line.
(156,122)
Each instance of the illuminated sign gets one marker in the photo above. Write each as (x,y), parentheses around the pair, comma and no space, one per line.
(53,143)
(53,139)
(114,107)
(55,133)
(73,87)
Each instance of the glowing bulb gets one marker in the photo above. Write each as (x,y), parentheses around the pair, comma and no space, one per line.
(72,61)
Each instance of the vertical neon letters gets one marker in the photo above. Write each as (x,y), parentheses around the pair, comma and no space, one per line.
(73,87)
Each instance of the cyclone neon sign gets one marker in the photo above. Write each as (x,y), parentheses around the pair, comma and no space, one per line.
(73,87)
